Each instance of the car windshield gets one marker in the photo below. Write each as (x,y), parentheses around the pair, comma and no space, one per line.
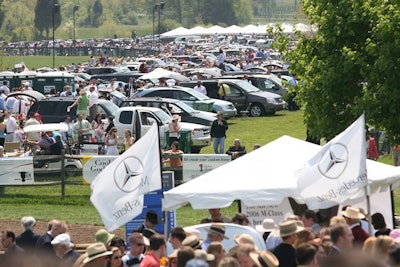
(186,107)
(164,117)
(111,107)
(249,88)
(197,95)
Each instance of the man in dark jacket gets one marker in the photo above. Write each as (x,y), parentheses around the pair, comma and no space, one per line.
(218,133)
(28,238)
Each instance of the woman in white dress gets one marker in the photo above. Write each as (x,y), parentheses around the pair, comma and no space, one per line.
(111,142)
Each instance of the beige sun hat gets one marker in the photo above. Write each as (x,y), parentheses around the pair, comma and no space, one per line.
(217,228)
(264,259)
(353,213)
(202,255)
(268,225)
(192,241)
(244,239)
(95,251)
(288,227)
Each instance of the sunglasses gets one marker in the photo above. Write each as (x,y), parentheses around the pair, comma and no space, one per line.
(139,244)
(117,257)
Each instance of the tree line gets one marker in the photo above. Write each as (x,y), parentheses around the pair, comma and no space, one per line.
(33,20)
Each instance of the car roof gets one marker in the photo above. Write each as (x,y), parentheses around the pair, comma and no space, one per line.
(153,99)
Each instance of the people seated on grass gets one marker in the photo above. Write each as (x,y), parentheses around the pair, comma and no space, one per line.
(237,150)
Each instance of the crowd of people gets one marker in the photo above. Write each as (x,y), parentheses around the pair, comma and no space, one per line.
(296,241)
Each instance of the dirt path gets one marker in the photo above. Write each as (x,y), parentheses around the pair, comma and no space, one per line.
(79,233)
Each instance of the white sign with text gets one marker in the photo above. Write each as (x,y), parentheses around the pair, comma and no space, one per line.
(195,165)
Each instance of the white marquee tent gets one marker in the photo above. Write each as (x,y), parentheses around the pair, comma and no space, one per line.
(236,30)
(264,177)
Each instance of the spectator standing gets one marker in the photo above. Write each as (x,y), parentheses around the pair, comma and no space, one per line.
(63,248)
(174,129)
(342,239)
(81,128)
(136,247)
(2,131)
(14,255)
(82,104)
(129,140)
(111,142)
(218,133)
(43,246)
(28,238)
(216,232)
(176,237)
(130,87)
(4,88)
(220,60)
(285,251)
(200,88)
(11,127)
(310,219)
(157,250)
(97,255)
(151,220)
(93,102)
(353,216)
(378,221)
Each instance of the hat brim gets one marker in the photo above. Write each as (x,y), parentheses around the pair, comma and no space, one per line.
(105,253)
(261,229)
(299,229)
(360,215)
(215,232)
(271,261)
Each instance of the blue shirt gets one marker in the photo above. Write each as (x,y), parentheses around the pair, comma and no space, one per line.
(2,103)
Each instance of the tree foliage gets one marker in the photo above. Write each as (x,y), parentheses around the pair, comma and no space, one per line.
(44,12)
(349,66)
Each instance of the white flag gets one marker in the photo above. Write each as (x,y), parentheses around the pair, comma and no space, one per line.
(117,192)
(337,171)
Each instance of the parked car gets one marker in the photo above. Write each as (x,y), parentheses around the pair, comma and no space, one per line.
(139,120)
(54,109)
(245,96)
(175,107)
(264,82)
(191,97)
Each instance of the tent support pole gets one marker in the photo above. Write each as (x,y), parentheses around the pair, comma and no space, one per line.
(367,193)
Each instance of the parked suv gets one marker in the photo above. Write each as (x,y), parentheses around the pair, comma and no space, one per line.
(173,106)
(264,82)
(191,97)
(244,96)
(54,109)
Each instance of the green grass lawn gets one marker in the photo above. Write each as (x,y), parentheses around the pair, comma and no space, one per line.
(45,203)
(35,62)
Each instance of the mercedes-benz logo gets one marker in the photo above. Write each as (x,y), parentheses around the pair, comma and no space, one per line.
(128,174)
(334,161)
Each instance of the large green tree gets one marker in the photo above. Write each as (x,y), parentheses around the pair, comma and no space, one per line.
(44,12)
(349,65)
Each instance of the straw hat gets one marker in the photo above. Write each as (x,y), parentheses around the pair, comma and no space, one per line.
(353,213)
(95,251)
(268,225)
(217,228)
(202,255)
(192,241)
(288,227)
(244,239)
(264,259)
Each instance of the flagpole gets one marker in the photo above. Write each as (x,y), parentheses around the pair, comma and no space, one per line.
(162,184)
(367,193)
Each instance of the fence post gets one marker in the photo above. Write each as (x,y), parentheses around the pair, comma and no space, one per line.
(62,174)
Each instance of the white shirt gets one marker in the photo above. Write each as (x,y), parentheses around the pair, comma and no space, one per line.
(93,98)
(24,107)
(200,89)
(11,125)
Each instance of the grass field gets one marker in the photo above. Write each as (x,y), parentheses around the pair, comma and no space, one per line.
(35,62)
(45,203)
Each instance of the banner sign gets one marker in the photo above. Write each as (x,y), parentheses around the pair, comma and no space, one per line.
(93,165)
(257,214)
(195,165)
(16,171)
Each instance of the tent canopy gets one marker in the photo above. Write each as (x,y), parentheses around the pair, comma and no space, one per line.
(263,177)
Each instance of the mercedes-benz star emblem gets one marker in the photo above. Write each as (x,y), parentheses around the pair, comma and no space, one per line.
(128,174)
(333,163)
